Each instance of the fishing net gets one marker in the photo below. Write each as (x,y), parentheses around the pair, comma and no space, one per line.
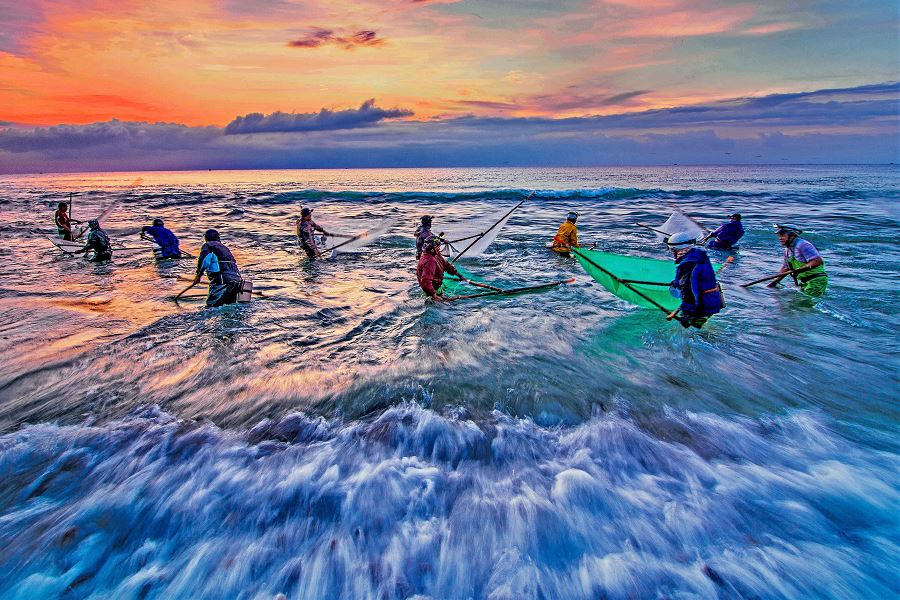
(453,286)
(480,244)
(679,222)
(362,239)
(631,268)
(606,267)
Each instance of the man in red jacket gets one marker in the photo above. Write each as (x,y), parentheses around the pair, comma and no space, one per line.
(430,271)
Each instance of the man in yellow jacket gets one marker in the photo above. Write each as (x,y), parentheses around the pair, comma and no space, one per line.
(566,236)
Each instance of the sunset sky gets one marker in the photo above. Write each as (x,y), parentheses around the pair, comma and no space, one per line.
(124,84)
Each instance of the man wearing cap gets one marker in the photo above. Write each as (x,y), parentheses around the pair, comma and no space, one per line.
(166,240)
(431,268)
(218,262)
(801,261)
(695,281)
(727,235)
(566,236)
(423,234)
(306,229)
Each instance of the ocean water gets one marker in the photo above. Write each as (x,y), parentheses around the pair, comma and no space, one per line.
(340,438)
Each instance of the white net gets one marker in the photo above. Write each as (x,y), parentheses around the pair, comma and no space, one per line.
(679,222)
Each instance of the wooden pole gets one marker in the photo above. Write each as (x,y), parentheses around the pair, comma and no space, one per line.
(489,229)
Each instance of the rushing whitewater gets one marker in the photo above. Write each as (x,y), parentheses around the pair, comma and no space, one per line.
(339,438)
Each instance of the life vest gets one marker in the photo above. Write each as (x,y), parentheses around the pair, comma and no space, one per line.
(62,220)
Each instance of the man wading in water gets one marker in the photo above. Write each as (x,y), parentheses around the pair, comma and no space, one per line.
(801,261)
(431,268)
(727,235)
(566,236)
(165,239)
(306,229)
(98,241)
(695,281)
(219,264)
(423,233)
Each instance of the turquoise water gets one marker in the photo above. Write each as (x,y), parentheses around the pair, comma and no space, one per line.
(340,438)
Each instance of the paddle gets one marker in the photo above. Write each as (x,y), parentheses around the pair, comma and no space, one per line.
(182,292)
(771,277)
(481,285)
(489,229)
(623,282)
(486,286)
(530,288)
(187,278)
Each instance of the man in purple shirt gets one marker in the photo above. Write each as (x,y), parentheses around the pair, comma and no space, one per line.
(801,261)
(727,235)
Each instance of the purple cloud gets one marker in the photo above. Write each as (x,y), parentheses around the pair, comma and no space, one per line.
(325,120)
(21,20)
(320,37)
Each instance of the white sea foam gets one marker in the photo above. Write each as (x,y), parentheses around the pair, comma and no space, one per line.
(415,503)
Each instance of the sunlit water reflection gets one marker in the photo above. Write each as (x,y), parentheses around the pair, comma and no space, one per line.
(340,438)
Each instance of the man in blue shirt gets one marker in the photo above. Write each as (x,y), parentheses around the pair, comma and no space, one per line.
(695,281)
(727,235)
(166,240)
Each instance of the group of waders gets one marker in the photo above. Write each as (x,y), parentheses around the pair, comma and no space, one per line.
(695,281)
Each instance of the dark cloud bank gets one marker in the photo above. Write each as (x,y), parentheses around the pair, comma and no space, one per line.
(324,120)
(854,125)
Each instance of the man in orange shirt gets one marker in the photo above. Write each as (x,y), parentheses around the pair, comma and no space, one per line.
(566,236)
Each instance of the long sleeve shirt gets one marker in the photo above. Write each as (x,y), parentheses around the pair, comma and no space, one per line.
(218,263)
(165,238)
(306,232)
(695,281)
(728,234)
(430,272)
(566,237)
